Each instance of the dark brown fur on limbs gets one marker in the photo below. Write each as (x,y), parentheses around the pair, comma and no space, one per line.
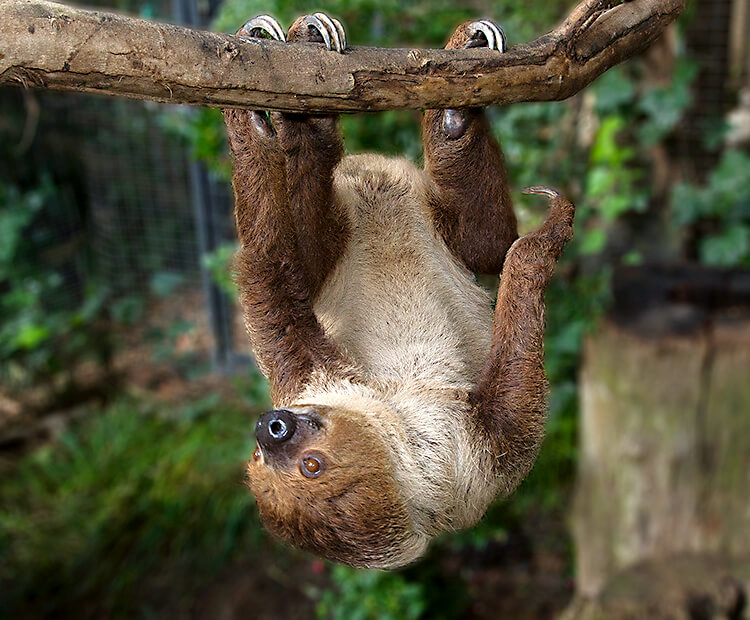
(401,410)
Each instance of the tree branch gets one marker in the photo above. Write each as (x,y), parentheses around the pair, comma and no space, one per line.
(44,44)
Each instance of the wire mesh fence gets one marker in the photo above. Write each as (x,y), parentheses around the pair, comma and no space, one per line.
(139,191)
(130,210)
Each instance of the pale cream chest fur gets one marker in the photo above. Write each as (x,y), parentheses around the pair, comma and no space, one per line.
(399,303)
(415,322)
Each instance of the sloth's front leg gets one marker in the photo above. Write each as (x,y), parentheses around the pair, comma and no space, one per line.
(471,204)
(281,203)
(313,147)
(510,399)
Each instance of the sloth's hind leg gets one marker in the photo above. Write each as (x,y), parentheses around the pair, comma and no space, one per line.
(509,400)
(470,202)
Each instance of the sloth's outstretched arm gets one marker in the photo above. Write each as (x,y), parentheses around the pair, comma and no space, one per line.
(312,147)
(470,202)
(274,271)
(510,399)
(290,237)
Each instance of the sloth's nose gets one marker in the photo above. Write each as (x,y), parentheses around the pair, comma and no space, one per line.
(275,427)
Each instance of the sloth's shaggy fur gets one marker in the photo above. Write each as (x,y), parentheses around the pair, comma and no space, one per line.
(355,278)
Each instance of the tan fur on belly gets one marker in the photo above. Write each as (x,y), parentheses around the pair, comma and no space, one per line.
(403,402)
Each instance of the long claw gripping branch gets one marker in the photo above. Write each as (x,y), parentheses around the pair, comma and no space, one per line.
(263,23)
(490,31)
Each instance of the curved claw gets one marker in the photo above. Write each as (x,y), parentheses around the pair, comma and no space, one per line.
(545,191)
(491,32)
(335,30)
(330,30)
(311,21)
(341,32)
(262,23)
(254,29)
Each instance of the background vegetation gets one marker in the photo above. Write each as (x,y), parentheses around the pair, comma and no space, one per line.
(137,507)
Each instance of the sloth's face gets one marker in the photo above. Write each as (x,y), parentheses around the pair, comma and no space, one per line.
(324,482)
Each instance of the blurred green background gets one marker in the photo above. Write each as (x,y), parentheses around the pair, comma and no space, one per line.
(122,454)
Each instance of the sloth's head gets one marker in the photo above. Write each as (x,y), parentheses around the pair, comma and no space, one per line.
(324,482)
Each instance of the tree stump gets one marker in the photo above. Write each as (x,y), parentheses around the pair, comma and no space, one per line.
(665,430)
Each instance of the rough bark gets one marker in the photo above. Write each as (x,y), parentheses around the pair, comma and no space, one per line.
(44,44)
(684,587)
(665,448)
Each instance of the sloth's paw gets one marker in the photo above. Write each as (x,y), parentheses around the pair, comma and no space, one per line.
(536,253)
(485,33)
(481,33)
(319,28)
(262,27)
(557,229)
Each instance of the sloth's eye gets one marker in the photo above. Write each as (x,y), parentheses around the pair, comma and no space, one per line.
(311,466)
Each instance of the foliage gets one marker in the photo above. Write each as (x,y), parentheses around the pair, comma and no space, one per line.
(536,151)
(219,265)
(371,595)
(633,120)
(132,494)
(724,202)
(662,107)
(43,329)
(422,590)
(628,119)
(164,283)
(612,187)
(203,130)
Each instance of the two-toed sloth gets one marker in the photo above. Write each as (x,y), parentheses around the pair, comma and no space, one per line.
(402,409)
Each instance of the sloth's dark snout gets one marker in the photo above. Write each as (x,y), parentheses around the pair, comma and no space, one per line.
(275,427)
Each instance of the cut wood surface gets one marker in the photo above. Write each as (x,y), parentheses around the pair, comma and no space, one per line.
(664,465)
(50,45)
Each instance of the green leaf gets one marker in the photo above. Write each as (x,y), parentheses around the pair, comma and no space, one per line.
(30,336)
(688,203)
(664,106)
(613,91)
(599,181)
(615,205)
(606,149)
(594,241)
(17,213)
(632,258)
(164,283)
(727,249)
(219,264)
(127,309)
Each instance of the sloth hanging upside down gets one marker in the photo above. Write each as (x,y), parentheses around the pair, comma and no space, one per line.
(402,409)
